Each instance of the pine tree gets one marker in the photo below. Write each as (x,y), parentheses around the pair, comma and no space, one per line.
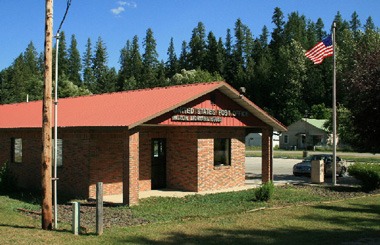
(184,57)
(221,56)
(239,45)
(63,61)
(341,27)
(101,70)
(88,74)
(150,60)
(16,82)
(212,64)
(316,87)
(197,47)
(287,103)
(278,32)
(319,26)
(31,61)
(172,64)
(125,62)
(260,87)
(136,65)
(369,25)
(22,79)
(242,55)
(295,29)
(74,65)
(161,75)
(355,25)
(228,72)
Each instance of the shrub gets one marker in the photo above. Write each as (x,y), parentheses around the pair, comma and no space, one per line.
(7,180)
(368,174)
(265,192)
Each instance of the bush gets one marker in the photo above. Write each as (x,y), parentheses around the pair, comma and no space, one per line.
(7,180)
(368,174)
(265,192)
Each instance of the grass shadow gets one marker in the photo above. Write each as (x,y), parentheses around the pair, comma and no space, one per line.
(256,236)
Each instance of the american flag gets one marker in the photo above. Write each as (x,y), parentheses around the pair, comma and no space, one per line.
(321,50)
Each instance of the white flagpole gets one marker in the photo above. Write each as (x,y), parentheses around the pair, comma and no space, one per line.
(55,178)
(334,109)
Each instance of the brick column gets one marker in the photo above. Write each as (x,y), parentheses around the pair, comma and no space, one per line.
(131,170)
(267,152)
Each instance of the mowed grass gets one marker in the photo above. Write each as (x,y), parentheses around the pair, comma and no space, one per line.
(293,216)
(332,223)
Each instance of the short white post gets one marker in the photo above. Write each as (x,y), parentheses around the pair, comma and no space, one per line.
(76,218)
(99,208)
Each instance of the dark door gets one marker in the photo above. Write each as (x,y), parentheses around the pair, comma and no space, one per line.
(158,163)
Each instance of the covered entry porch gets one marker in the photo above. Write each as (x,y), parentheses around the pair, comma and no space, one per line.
(164,160)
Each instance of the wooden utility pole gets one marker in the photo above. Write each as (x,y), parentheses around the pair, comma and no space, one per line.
(46,121)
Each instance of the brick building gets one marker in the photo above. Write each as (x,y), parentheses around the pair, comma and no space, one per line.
(188,137)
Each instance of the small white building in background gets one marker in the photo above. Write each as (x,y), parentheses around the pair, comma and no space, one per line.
(254,139)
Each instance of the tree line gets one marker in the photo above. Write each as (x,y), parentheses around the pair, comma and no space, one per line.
(272,67)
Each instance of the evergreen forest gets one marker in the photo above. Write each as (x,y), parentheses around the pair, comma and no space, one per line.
(272,67)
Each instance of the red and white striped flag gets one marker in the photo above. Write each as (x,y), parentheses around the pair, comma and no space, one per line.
(321,50)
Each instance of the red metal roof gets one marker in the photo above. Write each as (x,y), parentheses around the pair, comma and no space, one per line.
(129,108)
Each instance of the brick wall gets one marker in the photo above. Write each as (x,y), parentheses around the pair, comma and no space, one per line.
(74,173)
(182,166)
(212,177)
(89,156)
(190,163)
(107,156)
(267,160)
(28,172)
(114,155)
(131,169)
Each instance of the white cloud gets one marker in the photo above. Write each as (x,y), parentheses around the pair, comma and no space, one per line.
(120,9)
(131,4)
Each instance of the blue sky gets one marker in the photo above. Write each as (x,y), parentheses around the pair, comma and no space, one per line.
(117,21)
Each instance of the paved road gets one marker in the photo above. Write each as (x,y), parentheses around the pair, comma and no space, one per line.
(357,154)
(280,166)
(282,171)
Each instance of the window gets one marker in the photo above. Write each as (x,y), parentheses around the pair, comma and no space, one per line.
(59,152)
(286,139)
(16,150)
(222,151)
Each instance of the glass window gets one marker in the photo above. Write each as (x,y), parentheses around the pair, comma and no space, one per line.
(286,139)
(222,151)
(17,150)
(59,152)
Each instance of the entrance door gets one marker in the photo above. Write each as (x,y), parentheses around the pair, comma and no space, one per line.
(158,163)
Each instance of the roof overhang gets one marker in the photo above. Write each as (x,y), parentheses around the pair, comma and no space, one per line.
(252,108)
(234,95)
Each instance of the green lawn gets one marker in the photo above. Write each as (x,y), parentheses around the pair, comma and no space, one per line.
(293,216)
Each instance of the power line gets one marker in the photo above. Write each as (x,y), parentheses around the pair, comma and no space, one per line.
(64,16)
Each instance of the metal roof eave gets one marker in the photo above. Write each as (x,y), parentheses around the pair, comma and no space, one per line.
(184,102)
(232,94)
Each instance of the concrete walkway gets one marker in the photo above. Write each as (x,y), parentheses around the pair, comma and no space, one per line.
(282,170)
(176,193)
(249,184)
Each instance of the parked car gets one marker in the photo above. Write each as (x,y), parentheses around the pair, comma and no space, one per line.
(304,167)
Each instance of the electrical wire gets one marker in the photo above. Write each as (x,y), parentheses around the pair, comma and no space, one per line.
(64,16)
